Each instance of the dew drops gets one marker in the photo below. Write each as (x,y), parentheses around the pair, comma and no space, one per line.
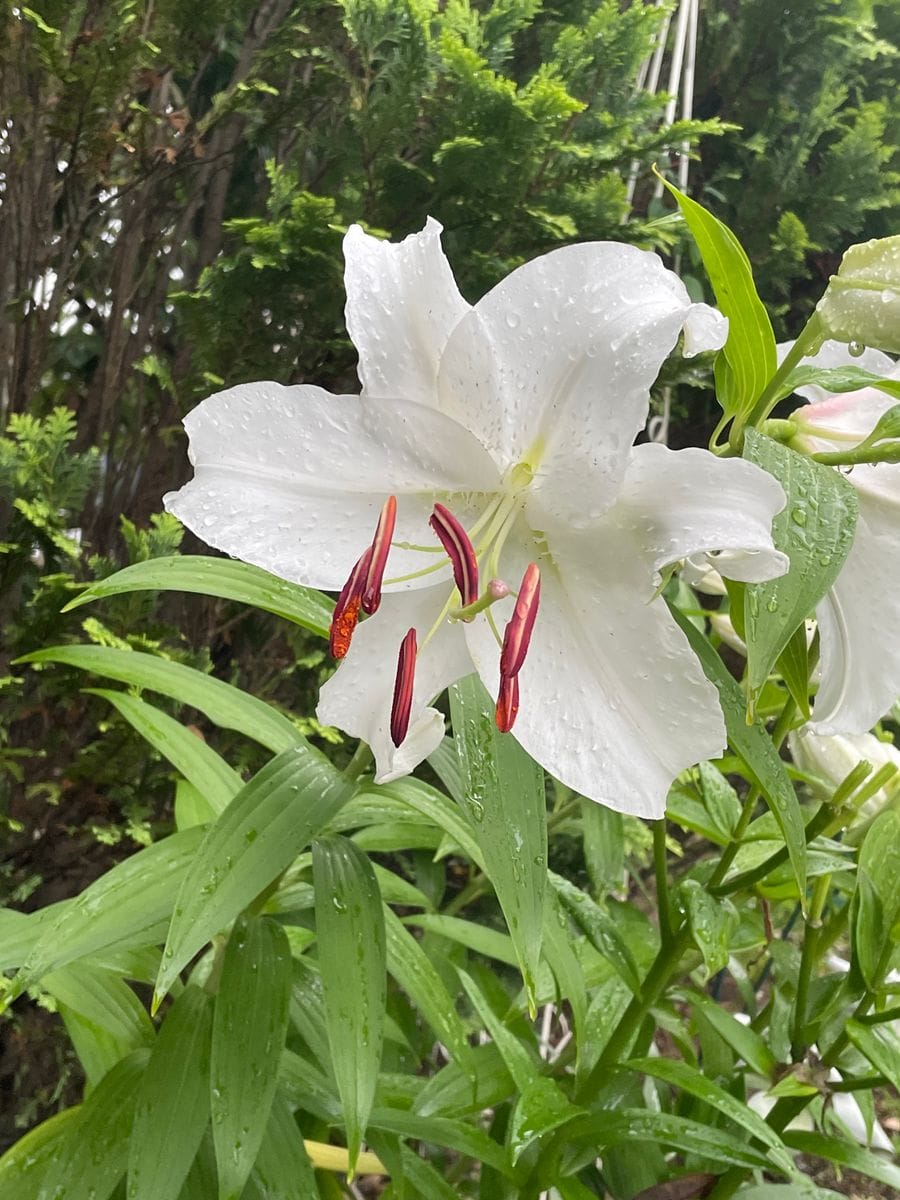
(855,349)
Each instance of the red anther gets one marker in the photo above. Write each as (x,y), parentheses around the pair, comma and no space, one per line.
(518,631)
(381,544)
(460,551)
(507,702)
(346,611)
(401,705)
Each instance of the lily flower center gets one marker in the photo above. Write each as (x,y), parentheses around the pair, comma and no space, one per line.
(473,554)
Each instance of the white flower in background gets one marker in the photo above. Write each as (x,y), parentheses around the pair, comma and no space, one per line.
(860,654)
(493,444)
(831,758)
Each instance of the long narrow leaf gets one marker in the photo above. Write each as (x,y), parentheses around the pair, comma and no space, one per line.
(224,704)
(504,796)
(222,577)
(256,838)
(755,747)
(172,1109)
(351,939)
(249,1025)
(215,781)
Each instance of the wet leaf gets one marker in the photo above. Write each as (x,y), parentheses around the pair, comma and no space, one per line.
(505,800)
(351,940)
(815,530)
(225,578)
(248,1032)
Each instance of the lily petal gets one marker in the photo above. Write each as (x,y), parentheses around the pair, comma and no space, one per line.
(689,503)
(293,479)
(613,702)
(553,367)
(402,304)
(358,697)
(860,670)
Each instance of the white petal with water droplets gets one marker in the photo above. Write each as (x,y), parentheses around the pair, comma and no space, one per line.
(358,697)
(613,702)
(554,367)
(293,478)
(689,503)
(860,657)
(837,354)
(402,304)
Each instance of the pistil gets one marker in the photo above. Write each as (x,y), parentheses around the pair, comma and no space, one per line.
(401,705)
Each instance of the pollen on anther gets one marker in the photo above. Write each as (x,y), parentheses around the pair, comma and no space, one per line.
(346,611)
(517,635)
(507,703)
(460,551)
(381,544)
(401,705)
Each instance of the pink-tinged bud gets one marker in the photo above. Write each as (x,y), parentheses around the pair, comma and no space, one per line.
(518,631)
(497,589)
(346,611)
(507,702)
(401,706)
(381,544)
(460,551)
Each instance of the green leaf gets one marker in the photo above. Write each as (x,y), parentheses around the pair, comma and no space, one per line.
(442,1131)
(488,942)
(216,782)
(248,1032)
(690,1080)
(815,530)
(172,1109)
(747,361)
(877,899)
(712,921)
(746,1042)
(881,1046)
(126,905)
(540,1108)
(518,1061)
(717,1145)
(504,796)
(793,666)
(351,940)
(92,1159)
(103,1016)
(837,379)
(602,832)
(410,966)
(25,1165)
(754,745)
(225,578)
(257,837)
(844,1154)
(283,1170)
(224,704)
(601,930)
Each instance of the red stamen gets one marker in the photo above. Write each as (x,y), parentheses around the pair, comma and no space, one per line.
(507,702)
(346,611)
(460,551)
(401,706)
(518,631)
(381,544)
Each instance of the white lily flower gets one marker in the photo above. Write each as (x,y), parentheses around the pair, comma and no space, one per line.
(860,670)
(516,418)
(831,758)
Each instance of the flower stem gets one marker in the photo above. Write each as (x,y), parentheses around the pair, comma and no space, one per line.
(663,902)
